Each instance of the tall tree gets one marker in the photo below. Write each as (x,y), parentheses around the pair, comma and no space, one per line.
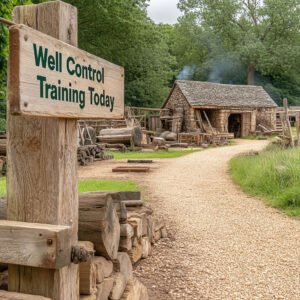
(263,33)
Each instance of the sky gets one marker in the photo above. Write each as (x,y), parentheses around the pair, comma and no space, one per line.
(163,11)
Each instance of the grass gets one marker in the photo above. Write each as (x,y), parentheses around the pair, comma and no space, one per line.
(91,186)
(274,175)
(2,186)
(106,185)
(153,154)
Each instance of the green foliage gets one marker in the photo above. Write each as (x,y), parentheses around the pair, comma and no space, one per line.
(121,32)
(273,175)
(153,155)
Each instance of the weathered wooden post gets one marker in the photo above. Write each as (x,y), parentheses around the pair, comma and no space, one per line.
(51,85)
(287,121)
(42,169)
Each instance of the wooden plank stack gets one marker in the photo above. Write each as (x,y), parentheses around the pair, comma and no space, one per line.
(120,229)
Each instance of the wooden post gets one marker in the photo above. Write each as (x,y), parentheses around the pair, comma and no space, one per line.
(298,128)
(42,168)
(287,121)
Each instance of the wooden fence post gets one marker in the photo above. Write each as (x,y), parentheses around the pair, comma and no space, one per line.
(42,166)
(287,120)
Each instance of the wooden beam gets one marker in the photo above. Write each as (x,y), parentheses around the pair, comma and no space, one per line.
(4,295)
(35,245)
(42,173)
(287,120)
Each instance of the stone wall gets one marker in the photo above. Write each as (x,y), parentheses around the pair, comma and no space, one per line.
(266,116)
(177,100)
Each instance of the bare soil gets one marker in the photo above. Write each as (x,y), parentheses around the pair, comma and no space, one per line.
(222,243)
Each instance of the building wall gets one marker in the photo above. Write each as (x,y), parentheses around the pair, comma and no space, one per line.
(177,100)
(266,116)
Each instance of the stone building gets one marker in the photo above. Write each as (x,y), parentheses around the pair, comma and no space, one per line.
(238,109)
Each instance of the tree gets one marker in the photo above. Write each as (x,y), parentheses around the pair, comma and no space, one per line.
(121,32)
(263,34)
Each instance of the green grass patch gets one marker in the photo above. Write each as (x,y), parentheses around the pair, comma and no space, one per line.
(91,186)
(153,154)
(2,186)
(274,175)
(107,185)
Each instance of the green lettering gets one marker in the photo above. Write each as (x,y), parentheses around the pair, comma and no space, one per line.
(70,60)
(40,56)
(41,79)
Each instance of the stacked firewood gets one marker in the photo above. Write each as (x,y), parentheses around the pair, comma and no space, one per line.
(91,153)
(120,230)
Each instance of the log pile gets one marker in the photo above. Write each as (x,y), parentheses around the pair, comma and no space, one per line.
(123,231)
(131,136)
(91,153)
(120,230)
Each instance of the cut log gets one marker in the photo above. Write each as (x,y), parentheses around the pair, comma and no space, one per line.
(4,295)
(126,231)
(87,272)
(135,253)
(137,226)
(135,291)
(104,268)
(158,141)
(129,136)
(125,244)
(118,287)
(99,223)
(150,229)
(122,212)
(143,218)
(123,265)
(104,289)
(146,247)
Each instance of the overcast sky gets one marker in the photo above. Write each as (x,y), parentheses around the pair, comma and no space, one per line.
(163,11)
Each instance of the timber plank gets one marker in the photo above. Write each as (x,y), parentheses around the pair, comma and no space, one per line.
(35,245)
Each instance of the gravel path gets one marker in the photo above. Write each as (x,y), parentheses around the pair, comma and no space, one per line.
(223,244)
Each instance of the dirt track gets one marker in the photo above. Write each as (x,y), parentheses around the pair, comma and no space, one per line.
(223,244)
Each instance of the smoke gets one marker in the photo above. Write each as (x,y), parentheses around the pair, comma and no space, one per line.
(187,72)
(226,68)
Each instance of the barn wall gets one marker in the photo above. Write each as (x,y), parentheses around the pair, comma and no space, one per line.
(177,100)
(266,116)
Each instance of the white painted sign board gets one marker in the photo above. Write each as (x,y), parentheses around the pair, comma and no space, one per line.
(53,79)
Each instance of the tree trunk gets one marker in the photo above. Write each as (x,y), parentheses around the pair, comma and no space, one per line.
(251,74)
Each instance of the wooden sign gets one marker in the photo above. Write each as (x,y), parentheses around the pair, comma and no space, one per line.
(53,79)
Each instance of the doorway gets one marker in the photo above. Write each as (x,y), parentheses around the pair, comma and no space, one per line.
(235,125)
